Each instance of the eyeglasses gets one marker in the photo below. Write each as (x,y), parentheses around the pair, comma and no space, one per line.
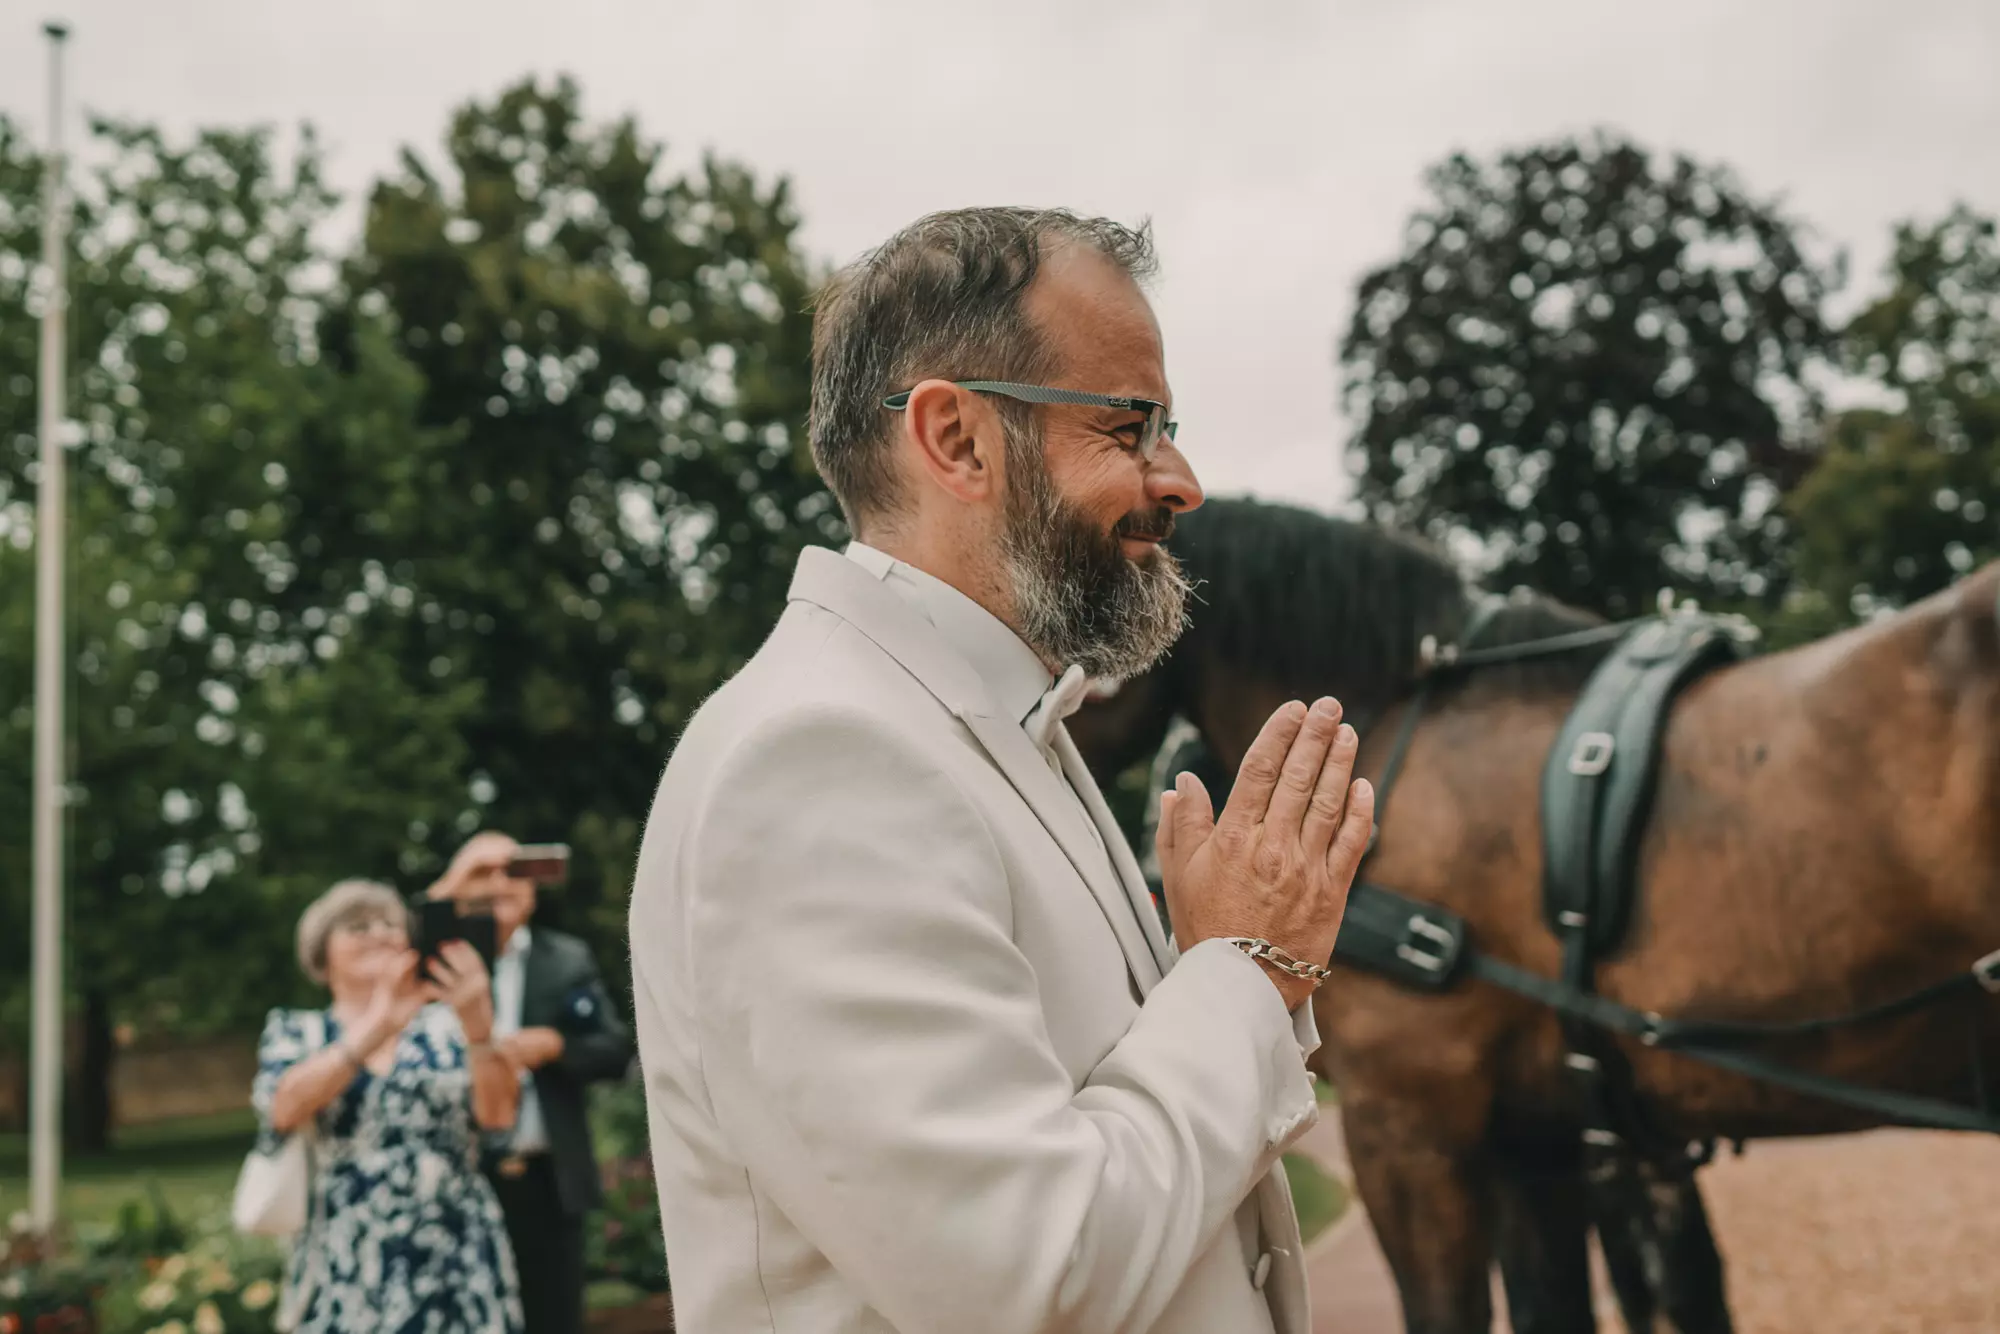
(1151,431)
(367,926)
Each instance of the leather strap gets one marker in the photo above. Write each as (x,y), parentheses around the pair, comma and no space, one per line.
(1378,919)
(1598,779)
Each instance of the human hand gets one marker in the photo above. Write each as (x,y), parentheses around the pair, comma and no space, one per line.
(1280,861)
(532,1048)
(460,980)
(399,993)
(484,858)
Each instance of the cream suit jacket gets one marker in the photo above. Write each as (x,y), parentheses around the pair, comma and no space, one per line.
(917,1054)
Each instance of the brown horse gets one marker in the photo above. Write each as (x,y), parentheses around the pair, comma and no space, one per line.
(1824,836)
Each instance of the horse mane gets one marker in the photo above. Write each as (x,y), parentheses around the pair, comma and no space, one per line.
(1305,600)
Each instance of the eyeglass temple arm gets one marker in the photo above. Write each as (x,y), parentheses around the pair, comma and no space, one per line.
(1032,393)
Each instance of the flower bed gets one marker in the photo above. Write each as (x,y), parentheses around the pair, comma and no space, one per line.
(221,1284)
(146,1274)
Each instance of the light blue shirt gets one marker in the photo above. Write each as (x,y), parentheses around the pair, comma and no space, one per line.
(510,983)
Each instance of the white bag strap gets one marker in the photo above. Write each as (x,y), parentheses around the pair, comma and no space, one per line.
(309,1132)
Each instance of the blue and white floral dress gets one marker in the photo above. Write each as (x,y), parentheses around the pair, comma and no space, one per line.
(403,1234)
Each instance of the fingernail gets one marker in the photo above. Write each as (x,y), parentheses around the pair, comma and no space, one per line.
(1362,787)
(1347,734)
(1324,707)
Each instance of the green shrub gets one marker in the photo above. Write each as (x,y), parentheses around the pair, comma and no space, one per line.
(618,1119)
(46,1285)
(624,1243)
(144,1229)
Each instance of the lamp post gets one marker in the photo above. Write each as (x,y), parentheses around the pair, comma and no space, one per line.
(51,494)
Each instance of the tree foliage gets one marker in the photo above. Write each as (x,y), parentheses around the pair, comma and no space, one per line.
(1904,501)
(1595,367)
(237,735)
(371,549)
(618,353)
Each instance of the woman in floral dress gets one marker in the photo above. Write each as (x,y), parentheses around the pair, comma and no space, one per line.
(394,1080)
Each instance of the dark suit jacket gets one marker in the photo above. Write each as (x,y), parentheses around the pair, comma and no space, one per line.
(562,990)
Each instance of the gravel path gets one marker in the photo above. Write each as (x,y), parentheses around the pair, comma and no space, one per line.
(1894,1232)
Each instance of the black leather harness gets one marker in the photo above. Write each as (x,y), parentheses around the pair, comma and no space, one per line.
(1597,790)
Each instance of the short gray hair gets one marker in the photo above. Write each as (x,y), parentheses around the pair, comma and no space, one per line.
(941,298)
(348,901)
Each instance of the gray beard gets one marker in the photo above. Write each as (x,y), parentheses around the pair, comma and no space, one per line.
(1078,598)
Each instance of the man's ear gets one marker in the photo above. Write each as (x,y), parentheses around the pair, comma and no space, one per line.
(956,437)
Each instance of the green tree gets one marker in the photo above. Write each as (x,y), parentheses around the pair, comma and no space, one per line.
(241,730)
(1904,501)
(1595,366)
(621,352)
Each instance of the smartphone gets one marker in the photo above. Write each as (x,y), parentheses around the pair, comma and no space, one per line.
(543,863)
(439,920)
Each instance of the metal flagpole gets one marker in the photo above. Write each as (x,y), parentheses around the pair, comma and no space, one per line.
(46,1069)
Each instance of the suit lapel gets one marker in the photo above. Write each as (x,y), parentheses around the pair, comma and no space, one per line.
(828,579)
(1040,786)
(1130,878)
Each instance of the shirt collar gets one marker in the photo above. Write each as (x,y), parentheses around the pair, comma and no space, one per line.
(517,944)
(1011,672)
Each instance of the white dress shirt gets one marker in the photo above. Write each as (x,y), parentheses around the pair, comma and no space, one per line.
(510,983)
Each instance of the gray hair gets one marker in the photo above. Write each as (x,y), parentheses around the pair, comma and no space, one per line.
(347,902)
(941,298)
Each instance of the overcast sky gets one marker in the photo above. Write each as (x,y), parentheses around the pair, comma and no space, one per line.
(1276,144)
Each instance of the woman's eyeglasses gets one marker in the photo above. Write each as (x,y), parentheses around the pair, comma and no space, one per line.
(368,926)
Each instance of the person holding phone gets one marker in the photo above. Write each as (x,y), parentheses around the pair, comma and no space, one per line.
(394,1080)
(560,1032)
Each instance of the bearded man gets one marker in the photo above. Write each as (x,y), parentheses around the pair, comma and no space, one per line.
(918,1055)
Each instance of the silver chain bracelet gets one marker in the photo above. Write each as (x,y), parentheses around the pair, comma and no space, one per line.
(1278,959)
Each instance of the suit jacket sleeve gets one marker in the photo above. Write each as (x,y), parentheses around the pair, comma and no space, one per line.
(874,1045)
(601,1046)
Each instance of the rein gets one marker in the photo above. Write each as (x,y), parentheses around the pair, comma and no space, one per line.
(1435,946)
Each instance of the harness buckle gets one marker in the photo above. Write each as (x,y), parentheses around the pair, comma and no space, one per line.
(1987,971)
(1431,655)
(1592,755)
(1432,934)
